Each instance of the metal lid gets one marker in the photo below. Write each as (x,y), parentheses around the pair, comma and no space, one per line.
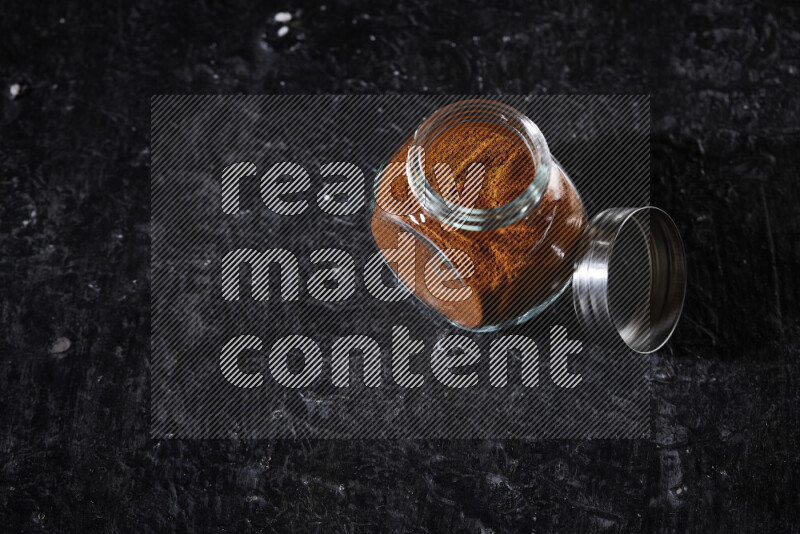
(631,278)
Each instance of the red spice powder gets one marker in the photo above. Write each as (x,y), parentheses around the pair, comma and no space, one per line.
(517,266)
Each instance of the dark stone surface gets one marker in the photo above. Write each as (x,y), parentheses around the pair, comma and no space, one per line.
(76,80)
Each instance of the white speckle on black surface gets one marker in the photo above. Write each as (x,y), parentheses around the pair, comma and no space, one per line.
(60,345)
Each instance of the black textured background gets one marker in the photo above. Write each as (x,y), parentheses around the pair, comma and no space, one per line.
(76,78)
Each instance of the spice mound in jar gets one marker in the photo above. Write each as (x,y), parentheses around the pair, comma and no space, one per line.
(498,274)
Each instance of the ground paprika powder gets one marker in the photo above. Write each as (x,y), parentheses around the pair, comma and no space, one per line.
(495,221)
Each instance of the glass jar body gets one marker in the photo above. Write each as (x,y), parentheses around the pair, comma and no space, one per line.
(480,278)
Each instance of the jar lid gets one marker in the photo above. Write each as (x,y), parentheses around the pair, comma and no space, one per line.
(631,279)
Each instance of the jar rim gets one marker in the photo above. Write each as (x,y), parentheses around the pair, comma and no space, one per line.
(486,111)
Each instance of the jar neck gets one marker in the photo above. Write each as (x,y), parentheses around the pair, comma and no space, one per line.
(461,114)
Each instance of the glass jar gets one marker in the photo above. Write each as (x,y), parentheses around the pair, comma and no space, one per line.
(481,223)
